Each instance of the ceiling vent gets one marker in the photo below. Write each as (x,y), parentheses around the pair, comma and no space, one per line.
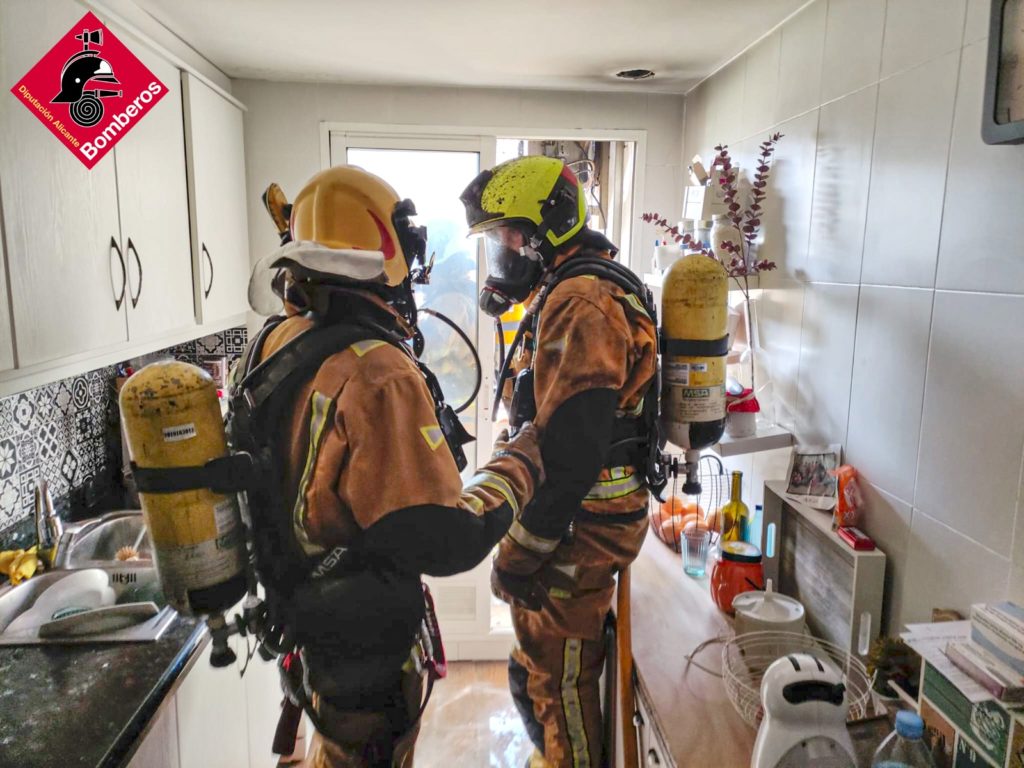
(635,74)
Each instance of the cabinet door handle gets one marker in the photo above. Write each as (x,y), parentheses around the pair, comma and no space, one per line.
(209,260)
(652,758)
(138,262)
(118,300)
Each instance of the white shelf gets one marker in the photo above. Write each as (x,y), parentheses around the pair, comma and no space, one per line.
(766,439)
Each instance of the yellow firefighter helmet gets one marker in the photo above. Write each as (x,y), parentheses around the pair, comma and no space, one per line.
(345,225)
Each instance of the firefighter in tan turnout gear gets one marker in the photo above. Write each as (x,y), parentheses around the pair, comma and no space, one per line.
(582,371)
(369,469)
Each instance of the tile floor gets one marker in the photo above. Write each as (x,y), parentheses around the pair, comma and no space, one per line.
(472,721)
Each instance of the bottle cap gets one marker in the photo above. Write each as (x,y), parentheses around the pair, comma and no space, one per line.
(909,725)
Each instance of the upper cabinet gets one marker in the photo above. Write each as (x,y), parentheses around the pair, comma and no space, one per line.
(67,269)
(220,237)
(147,249)
(153,200)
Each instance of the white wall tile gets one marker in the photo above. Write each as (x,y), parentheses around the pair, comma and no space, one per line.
(908,173)
(787,210)
(778,315)
(886,519)
(842,172)
(725,105)
(695,124)
(767,465)
(826,362)
(1018,528)
(1015,588)
(661,195)
(853,45)
(761,85)
(888,386)
(948,570)
(664,141)
(982,225)
(919,30)
(972,429)
(801,54)
(976,27)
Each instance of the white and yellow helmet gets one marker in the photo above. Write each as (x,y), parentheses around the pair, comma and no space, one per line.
(346,225)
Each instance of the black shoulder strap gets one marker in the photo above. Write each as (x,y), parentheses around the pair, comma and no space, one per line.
(606,269)
(300,358)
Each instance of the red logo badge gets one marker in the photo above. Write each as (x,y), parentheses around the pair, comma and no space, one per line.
(89,90)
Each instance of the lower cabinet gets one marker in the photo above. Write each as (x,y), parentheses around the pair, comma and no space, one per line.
(160,747)
(653,751)
(216,719)
(263,701)
(213,726)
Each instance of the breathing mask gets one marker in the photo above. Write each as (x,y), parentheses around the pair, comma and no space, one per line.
(514,266)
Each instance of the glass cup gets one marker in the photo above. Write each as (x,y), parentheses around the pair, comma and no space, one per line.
(695,551)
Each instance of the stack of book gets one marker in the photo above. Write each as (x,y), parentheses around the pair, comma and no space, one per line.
(993,656)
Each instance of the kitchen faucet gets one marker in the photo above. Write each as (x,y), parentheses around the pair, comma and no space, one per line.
(49,527)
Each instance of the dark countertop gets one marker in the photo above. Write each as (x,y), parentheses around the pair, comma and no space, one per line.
(63,706)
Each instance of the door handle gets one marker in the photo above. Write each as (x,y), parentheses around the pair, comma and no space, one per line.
(118,300)
(133,250)
(209,260)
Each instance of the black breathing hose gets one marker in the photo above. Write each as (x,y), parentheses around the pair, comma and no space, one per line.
(476,357)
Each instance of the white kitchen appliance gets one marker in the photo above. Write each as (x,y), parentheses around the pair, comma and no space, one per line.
(767,611)
(805,707)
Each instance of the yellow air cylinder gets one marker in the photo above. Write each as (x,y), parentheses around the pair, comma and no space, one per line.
(172,418)
(694,313)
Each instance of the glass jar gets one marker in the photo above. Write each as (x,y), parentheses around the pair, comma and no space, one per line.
(702,232)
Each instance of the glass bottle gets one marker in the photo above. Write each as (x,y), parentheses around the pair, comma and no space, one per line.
(735,515)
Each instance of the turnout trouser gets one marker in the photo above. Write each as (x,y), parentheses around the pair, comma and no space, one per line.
(555,669)
(362,739)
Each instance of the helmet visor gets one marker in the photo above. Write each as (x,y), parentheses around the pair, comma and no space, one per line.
(509,258)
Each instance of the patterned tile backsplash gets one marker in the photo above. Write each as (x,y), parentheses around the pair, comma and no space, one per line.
(68,432)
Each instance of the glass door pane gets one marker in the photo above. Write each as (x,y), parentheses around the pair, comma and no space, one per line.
(434,180)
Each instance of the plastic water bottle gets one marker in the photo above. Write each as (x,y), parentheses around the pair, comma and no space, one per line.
(904,747)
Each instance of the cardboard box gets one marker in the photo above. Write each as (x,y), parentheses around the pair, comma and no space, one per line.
(985,725)
(997,678)
(999,629)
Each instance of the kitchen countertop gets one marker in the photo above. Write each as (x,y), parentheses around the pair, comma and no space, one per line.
(64,706)
(671,615)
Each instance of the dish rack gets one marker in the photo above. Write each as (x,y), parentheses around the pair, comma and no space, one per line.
(746,657)
(714,484)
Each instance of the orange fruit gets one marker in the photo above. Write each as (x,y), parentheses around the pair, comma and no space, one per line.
(693,508)
(672,506)
(672,529)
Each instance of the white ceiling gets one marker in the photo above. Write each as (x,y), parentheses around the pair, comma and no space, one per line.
(562,44)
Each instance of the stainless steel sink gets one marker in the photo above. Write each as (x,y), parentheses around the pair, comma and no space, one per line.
(94,544)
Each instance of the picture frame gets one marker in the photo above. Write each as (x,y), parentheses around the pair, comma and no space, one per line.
(1003,118)
(810,478)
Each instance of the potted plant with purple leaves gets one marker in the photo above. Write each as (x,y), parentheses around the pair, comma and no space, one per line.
(738,256)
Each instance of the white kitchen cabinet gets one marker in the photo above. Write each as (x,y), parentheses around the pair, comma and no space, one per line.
(68,279)
(212,716)
(159,748)
(216,167)
(153,197)
(263,697)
